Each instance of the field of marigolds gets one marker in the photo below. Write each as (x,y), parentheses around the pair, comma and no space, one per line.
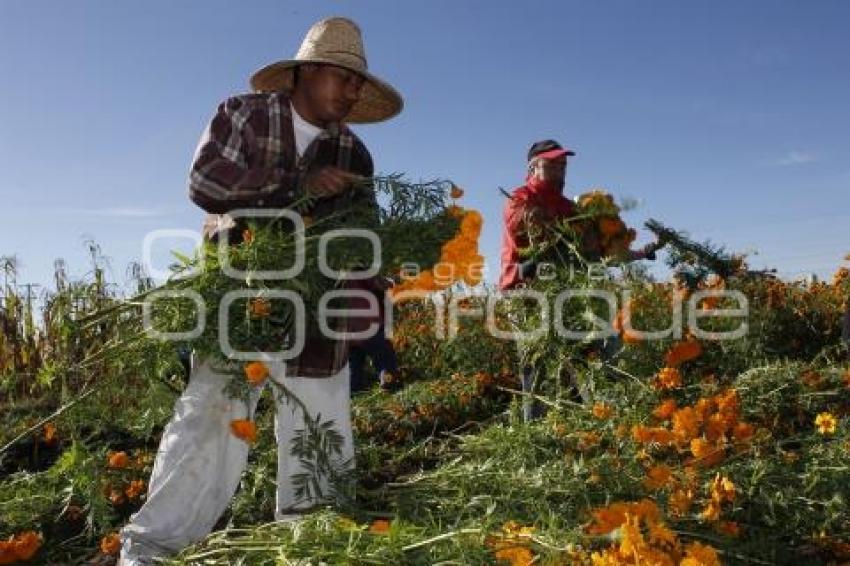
(678,450)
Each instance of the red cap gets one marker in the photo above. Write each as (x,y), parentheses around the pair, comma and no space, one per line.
(548,149)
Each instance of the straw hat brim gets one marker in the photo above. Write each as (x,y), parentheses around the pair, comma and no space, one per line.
(378,100)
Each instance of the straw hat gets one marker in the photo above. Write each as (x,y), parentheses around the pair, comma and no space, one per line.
(336,41)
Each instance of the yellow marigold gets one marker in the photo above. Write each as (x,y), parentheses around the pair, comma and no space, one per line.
(515,555)
(244,429)
(665,410)
(379,527)
(260,307)
(256,372)
(711,512)
(826,423)
(682,352)
(456,192)
(698,554)
(110,544)
(118,460)
(602,411)
(668,378)
(657,477)
(722,489)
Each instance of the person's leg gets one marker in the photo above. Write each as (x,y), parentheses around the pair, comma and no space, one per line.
(328,399)
(195,474)
(356,363)
(532,409)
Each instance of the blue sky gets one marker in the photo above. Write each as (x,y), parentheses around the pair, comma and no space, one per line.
(727,119)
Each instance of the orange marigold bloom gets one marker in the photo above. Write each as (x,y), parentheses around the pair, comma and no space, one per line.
(698,554)
(49,434)
(260,307)
(742,432)
(135,489)
(256,372)
(657,477)
(110,544)
(245,430)
(715,427)
(682,352)
(711,512)
(247,236)
(680,501)
(456,192)
(668,378)
(515,556)
(665,410)
(811,379)
(729,528)
(118,460)
(602,411)
(379,527)
(19,547)
(648,435)
(686,423)
(611,226)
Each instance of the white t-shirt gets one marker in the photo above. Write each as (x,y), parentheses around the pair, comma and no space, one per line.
(305,132)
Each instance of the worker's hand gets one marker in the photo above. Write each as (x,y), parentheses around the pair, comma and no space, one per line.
(329,181)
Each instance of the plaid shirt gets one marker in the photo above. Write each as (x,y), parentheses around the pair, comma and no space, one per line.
(246,158)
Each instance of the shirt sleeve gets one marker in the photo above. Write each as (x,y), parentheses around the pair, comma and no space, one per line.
(225,176)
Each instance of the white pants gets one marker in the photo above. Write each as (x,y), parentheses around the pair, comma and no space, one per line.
(199,461)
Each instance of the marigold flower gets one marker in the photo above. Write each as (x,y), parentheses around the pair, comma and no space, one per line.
(260,307)
(665,410)
(680,501)
(135,489)
(682,352)
(118,460)
(729,528)
(256,372)
(668,378)
(661,535)
(811,379)
(49,434)
(247,236)
(379,527)
(698,554)
(116,497)
(657,477)
(515,556)
(742,432)
(110,544)
(19,547)
(456,192)
(244,429)
(826,423)
(602,411)
(711,512)
(722,489)
(686,423)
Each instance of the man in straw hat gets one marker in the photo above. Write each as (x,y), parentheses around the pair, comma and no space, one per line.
(269,149)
